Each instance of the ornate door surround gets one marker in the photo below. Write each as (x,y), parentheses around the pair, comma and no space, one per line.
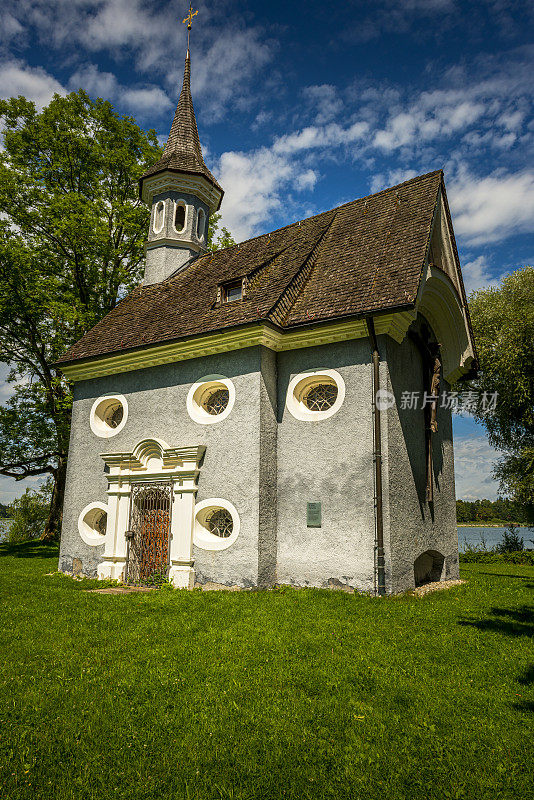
(152,460)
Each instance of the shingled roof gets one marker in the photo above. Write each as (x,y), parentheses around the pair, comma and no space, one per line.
(365,256)
(183,152)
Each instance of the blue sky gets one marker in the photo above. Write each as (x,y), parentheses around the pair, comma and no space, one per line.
(305,105)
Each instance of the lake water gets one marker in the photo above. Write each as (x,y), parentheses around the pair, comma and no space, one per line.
(472,536)
(492,536)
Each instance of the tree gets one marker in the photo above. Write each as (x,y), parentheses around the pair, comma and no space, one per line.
(71,244)
(30,513)
(224,239)
(503,323)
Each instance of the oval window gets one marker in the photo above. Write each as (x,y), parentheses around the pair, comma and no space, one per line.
(216,525)
(159,216)
(92,524)
(200,224)
(211,399)
(314,396)
(179,218)
(109,415)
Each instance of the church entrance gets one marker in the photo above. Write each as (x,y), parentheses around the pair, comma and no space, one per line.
(147,557)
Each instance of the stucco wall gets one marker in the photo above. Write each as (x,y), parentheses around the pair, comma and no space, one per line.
(157,408)
(269,465)
(329,461)
(414,525)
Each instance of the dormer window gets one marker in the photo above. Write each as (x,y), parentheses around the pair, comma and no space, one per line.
(179,217)
(232,291)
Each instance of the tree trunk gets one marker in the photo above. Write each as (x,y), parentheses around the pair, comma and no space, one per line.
(52,528)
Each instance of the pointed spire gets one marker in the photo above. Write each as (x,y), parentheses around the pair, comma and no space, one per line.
(183,152)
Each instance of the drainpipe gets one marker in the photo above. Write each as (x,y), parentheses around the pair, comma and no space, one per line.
(379,517)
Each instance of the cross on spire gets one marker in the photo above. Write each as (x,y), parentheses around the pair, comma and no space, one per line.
(189,21)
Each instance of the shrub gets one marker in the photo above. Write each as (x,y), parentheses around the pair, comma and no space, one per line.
(29,513)
(511,542)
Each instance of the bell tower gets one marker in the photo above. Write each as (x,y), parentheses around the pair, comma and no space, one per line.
(181,192)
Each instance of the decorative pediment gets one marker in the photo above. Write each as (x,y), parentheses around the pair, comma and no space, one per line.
(152,458)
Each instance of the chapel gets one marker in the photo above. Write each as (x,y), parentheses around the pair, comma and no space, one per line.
(240,418)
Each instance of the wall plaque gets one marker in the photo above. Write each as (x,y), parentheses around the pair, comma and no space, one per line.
(313,515)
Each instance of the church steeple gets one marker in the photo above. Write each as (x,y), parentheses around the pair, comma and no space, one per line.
(182,193)
(183,152)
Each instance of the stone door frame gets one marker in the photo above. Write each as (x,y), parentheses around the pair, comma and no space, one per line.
(152,460)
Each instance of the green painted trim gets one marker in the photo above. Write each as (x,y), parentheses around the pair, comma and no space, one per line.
(394,325)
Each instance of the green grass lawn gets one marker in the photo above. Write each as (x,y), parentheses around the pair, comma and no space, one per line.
(282,694)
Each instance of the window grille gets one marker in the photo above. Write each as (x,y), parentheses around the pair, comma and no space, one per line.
(220,523)
(100,523)
(217,401)
(321,397)
(115,415)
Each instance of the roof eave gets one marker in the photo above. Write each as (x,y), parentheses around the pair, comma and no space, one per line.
(243,326)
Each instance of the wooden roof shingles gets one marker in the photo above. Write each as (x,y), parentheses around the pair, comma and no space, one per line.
(365,256)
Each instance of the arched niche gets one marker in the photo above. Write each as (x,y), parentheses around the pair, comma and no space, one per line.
(428,567)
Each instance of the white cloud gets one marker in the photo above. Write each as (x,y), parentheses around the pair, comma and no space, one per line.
(324,102)
(9,26)
(224,71)
(306,180)
(392,178)
(95,82)
(490,209)
(433,115)
(320,137)
(227,55)
(474,459)
(143,101)
(252,184)
(476,274)
(17,78)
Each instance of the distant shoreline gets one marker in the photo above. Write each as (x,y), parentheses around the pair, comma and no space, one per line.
(489,524)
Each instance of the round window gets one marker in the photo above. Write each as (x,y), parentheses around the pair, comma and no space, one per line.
(313,396)
(211,399)
(321,396)
(216,524)
(109,415)
(114,415)
(92,524)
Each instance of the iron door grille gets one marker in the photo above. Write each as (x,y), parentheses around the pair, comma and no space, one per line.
(150,521)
